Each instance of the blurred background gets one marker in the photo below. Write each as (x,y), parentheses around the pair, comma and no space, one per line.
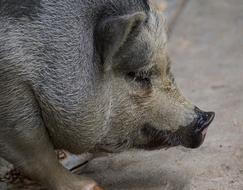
(206,47)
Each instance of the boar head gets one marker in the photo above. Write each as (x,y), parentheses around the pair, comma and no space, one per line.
(147,109)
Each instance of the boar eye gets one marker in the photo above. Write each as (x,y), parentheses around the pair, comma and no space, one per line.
(131,75)
(141,77)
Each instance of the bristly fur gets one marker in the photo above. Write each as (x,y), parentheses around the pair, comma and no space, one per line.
(56,93)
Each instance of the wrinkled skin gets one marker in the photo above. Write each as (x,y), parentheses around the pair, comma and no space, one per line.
(87,81)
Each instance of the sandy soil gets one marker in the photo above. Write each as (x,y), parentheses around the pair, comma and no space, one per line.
(206,47)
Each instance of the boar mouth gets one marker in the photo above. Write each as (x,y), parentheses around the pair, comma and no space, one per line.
(191,136)
(158,139)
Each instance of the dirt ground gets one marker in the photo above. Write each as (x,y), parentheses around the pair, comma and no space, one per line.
(206,46)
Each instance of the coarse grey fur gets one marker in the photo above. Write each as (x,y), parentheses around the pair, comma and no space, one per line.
(85,75)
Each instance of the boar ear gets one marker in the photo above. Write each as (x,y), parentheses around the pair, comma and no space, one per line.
(113,32)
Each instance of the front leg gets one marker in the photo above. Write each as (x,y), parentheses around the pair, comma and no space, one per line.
(28,147)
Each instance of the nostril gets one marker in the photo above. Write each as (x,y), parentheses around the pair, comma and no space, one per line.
(209,116)
(204,118)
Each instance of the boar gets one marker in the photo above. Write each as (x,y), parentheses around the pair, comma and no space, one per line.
(87,76)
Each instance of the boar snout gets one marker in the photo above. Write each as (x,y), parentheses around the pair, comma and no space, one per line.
(196,132)
(190,136)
